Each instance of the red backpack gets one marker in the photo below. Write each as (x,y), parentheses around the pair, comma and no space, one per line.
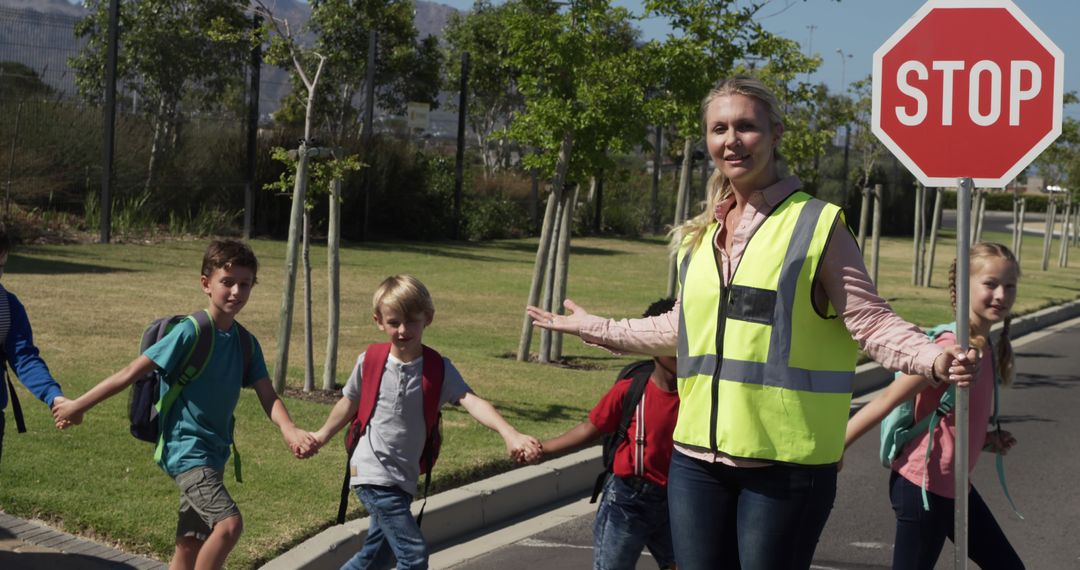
(431,384)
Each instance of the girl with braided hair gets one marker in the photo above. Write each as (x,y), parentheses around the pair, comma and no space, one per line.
(921,533)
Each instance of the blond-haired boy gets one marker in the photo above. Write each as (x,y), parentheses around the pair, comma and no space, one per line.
(392,399)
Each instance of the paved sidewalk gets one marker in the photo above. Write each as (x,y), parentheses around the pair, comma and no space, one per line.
(26,545)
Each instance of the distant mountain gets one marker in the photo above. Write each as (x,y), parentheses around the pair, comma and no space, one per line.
(39,34)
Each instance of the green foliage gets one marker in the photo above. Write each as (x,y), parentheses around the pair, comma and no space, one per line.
(581,77)
(407,68)
(1003,201)
(18,81)
(493,98)
(174,54)
(492,217)
(1059,165)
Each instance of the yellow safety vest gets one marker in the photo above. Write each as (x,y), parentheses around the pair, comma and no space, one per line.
(762,373)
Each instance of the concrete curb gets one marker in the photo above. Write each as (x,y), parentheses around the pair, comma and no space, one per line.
(457,513)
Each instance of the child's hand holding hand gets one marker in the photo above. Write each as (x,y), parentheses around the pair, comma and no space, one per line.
(999,441)
(523,448)
(66,413)
(954,366)
(302,443)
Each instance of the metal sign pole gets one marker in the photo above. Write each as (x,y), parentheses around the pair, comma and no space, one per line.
(963,437)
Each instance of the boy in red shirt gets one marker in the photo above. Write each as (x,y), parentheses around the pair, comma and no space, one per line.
(634,512)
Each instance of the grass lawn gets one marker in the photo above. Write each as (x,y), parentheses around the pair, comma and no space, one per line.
(89,304)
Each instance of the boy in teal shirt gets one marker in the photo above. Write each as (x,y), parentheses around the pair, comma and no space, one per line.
(197,431)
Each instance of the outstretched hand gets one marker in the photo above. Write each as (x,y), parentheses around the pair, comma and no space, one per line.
(65,413)
(957,367)
(570,323)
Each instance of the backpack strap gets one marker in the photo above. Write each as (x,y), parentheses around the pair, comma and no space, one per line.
(929,424)
(16,407)
(190,368)
(247,356)
(636,372)
(999,459)
(371,370)
(433,375)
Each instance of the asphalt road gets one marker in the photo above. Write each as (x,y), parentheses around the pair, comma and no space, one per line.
(1041,410)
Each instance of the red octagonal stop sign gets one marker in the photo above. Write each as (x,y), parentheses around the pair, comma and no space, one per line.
(968,89)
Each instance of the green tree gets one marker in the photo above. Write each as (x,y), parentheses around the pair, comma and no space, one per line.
(583,84)
(714,39)
(18,81)
(493,95)
(174,55)
(1059,164)
(406,68)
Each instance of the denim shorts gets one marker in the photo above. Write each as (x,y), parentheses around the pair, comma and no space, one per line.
(204,502)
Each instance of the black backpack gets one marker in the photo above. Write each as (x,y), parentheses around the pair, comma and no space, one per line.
(638,373)
(146,407)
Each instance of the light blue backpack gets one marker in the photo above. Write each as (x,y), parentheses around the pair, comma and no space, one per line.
(899,428)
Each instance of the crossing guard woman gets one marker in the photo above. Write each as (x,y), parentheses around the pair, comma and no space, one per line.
(774,302)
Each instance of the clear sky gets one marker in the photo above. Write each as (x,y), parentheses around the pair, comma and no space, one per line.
(858,27)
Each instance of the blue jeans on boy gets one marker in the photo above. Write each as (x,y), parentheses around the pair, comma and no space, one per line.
(392,532)
(633,514)
(921,534)
(760,518)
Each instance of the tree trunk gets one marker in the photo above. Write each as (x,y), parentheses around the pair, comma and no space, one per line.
(1016,230)
(542,250)
(309,360)
(934,223)
(680,209)
(281,363)
(654,196)
(333,270)
(562,265)
(539,267)
(1020,241)
(876,237)
(980,213)
(549,275)
(916,270)
(155,147)
(864,217)
(1048,235)
(1063,253)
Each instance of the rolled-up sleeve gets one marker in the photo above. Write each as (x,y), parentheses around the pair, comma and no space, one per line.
(895,343)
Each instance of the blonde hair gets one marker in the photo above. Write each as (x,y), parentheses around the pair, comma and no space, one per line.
(719,187)
(405,294)
(980,252)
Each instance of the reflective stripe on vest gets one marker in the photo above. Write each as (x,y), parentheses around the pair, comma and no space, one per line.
(762,374)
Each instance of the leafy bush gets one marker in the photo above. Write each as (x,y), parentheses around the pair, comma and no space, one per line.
(1002,201)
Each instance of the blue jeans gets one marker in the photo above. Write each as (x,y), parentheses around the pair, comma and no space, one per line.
(748,518)
(633,514)
(920,534)
(392,532)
